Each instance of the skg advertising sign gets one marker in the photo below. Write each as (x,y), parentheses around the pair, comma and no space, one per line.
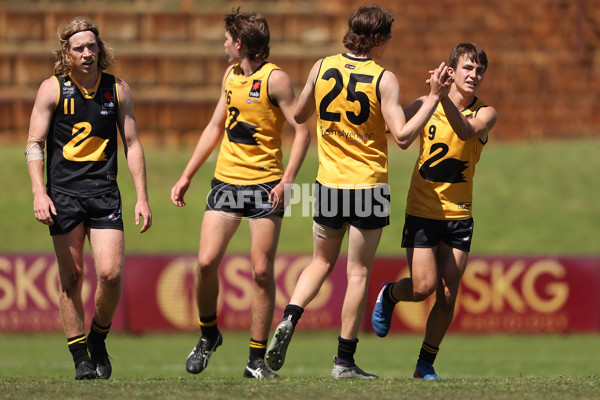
(29,293)
(497,294)
(161,293)
(509,294)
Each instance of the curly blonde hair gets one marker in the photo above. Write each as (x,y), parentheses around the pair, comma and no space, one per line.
(64,64)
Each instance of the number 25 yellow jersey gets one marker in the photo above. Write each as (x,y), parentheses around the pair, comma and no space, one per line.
(350,126)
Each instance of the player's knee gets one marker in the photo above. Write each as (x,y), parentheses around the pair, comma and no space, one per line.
(71,283)
(324,265)
(422,292)
(449,294)
(447,301)
(110,279)
(263,276)
(262,280)
(206,266)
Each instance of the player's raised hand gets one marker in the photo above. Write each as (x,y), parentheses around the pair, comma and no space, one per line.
(440,80)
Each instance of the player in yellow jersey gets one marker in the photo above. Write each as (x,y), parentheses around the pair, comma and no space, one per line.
(256,99)
(355,98)
(439,226)
(80,112)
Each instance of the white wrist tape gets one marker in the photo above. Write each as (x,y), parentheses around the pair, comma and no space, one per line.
(35,149)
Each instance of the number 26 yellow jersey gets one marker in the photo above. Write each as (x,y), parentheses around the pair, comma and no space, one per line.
(251,147)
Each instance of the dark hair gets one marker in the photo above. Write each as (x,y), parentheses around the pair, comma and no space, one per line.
(368,27)
(64,63)
(472,51)
(252,30)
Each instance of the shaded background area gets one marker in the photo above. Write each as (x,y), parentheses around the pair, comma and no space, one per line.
(543,78)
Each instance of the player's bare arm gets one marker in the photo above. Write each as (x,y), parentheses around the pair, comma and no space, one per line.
(209,139)
(306,102)
(135,154)
(281,90)
(469,129)
(45,103)
(403,132)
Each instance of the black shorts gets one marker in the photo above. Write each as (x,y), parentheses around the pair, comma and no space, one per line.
(101,211)
(367,208)
(252,201)
(427,233)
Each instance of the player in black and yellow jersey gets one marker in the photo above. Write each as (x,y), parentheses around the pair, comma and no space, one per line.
(354,98)
(439,226)
(79,112)
(256,99)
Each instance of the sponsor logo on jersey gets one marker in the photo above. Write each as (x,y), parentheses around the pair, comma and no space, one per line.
(108,97)
(68,89)
(350,66)
(255,89)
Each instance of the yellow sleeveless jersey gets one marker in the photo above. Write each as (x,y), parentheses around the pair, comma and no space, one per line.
(442,181)
(350,126)
(251,147)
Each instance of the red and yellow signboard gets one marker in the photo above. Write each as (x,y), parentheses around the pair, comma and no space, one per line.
(509,294)
(497,294)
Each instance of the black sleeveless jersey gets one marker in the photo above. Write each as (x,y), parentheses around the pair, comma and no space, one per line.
(82,140)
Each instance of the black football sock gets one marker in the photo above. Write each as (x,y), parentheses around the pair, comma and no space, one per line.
(258,348)
(428,352)
(98,333)
(208,325)
(389,295)
(346,350)
(294,311)
(78,348)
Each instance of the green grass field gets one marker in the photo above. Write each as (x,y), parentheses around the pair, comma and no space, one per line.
(530,198)
(153,367)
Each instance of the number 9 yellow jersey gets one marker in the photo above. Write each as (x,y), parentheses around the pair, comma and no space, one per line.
(441,186)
